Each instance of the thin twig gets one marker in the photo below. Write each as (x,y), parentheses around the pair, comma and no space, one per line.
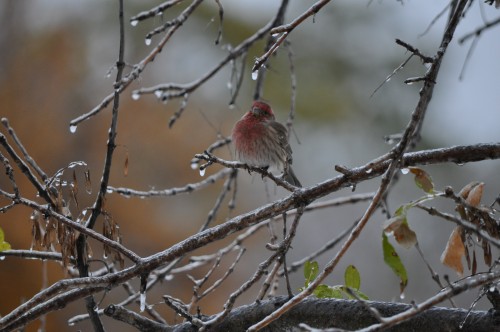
(28,158)
(270,43)
(211,159)
(123,83)
(285,31)
(479,31)
(176,90)
(81,242)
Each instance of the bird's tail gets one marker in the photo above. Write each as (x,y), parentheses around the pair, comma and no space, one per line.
(290,177)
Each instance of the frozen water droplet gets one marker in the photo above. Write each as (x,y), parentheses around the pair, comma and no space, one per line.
(72,129)
(136,96)
(142,300)
(202,171)
(160,13)
(158,93)
(274,35)
(409,82)
(2,258)
(148,41)
(405,170)
(402,296)
(369,170)
(169,277)
(255,74)
(109,191)
(232,106)
(492,289)
(71,323)
(134,23)
(194,165)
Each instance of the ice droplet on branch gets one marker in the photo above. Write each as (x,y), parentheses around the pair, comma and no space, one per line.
(134,23)
(255,74)
(202,171)
(142,301)
(148,41)
(136,96)
(72,129)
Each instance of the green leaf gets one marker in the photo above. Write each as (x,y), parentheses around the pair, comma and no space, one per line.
(401,211)
(392,259)
(352,278)
(310,271)
(353,294)
(3,245)
(327,292)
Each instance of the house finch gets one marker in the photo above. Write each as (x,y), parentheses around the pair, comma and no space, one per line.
(261,141)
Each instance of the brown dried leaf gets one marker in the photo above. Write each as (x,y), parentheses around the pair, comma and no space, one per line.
(75,182)
(487,253)
(73,192)
(68,247)
(61,229)
(50,235)
(422,179)
(467,255)
(405,236)
(475,195)
(454,251)
(399,227)
(464,192)
(60,198)
(88,184)
(461,210)
(474,262)
(392,224)
(36,230)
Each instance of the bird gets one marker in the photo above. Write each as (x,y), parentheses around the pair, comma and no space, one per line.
(259,140)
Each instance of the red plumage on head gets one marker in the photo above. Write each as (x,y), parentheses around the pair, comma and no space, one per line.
(260,105)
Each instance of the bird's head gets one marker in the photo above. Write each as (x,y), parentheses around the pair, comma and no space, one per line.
(261,110)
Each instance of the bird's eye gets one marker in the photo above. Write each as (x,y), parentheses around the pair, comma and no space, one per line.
(257,111)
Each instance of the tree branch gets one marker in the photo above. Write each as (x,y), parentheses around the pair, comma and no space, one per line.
(461,154)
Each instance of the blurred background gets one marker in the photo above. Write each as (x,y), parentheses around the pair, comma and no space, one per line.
(54,62)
